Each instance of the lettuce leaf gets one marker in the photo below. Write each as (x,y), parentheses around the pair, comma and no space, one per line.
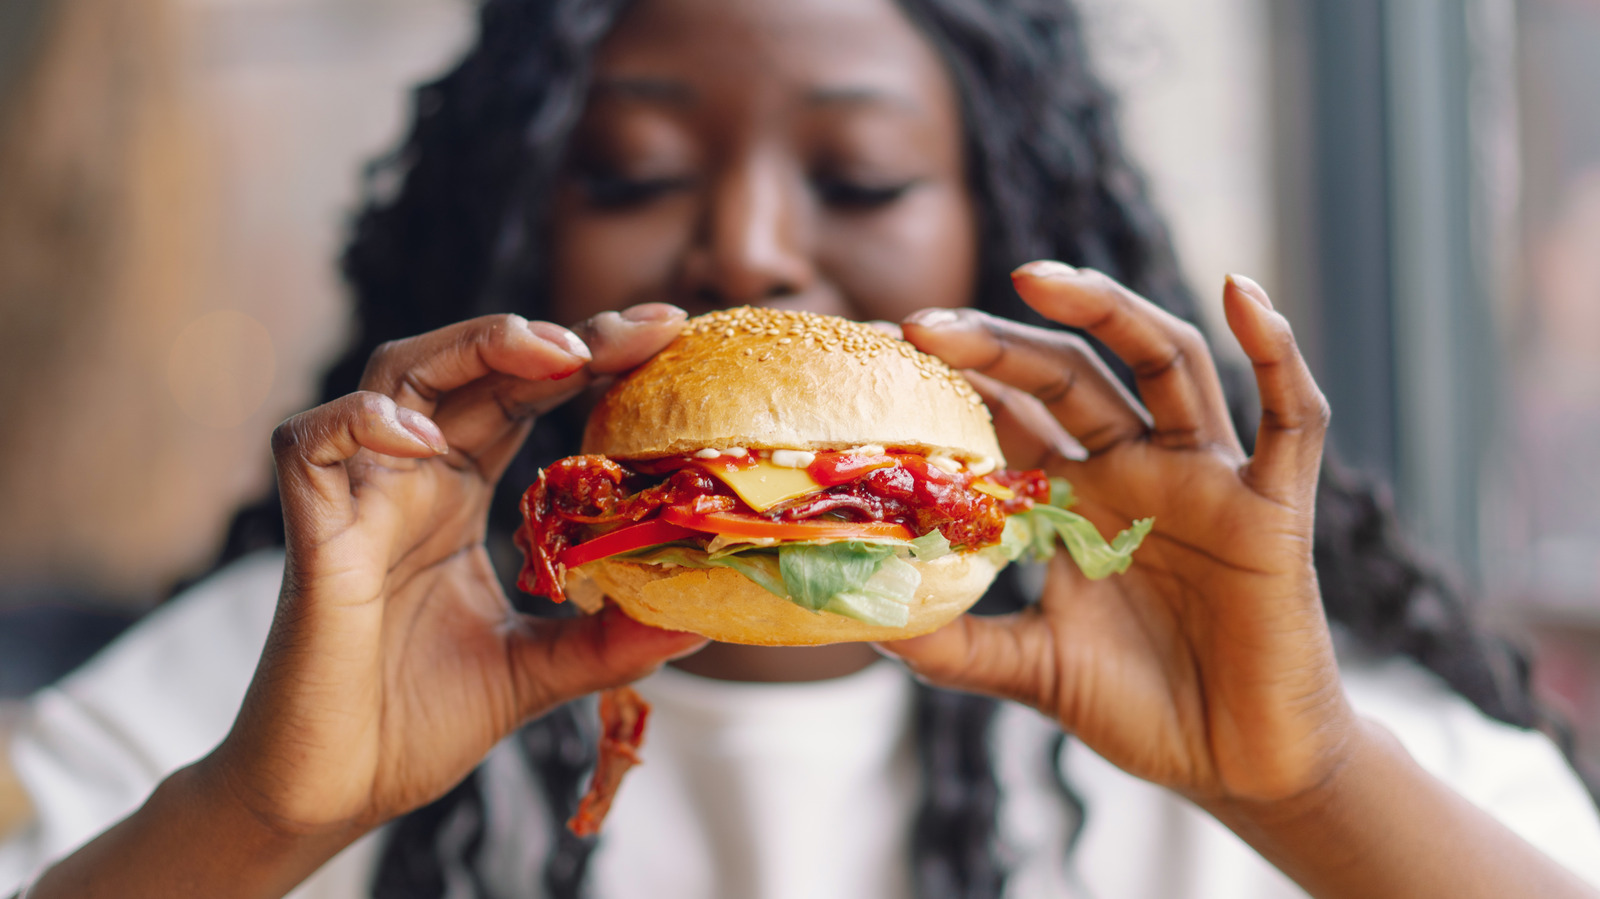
(885,599)
(817,573)
(759,565)
(864,580)
(930,546)
(1033,534)
(1095,557)
(1061,495)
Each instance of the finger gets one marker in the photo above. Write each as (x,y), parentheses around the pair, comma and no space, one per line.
(457,375)
(1005,656)
(624,340)
(1029,435)
(1294,413)
(889,328)
(487,420)
(310,449)
(557,661)
(1058,368)
(419,370)
(1170,360)
(615,342)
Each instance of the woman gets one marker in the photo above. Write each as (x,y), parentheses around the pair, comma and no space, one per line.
(860,158)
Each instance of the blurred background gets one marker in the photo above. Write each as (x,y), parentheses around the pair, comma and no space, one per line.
(1416,181)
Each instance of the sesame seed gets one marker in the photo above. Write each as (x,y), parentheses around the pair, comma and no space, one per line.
(754,327)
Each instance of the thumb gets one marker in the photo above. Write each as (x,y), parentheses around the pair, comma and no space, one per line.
(557,661)
(1005,656)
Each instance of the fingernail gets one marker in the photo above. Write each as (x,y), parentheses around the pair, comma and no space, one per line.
(1045,269)
(1067,447)
(562,338)
(423,428)
(653,313)
(689,650)
(885,650)
(1248,286)
(934,318)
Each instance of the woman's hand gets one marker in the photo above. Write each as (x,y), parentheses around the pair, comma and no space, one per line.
(395,661)
(1207,667)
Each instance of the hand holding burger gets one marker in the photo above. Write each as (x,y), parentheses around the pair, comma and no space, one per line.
(1208,666)
(395,662)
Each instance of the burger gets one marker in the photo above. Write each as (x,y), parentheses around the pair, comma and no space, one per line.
(785,478)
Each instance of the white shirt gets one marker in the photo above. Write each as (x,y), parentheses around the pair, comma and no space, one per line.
(769,791)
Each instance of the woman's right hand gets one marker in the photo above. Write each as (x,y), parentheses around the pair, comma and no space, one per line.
(395,661)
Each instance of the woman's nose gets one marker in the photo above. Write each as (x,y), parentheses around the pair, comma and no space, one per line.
(754,246)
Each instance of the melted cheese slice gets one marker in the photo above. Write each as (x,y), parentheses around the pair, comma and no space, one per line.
(984,485)
(764,485)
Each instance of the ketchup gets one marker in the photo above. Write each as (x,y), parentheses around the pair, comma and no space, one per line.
(833,469)
(1030,487)
(903,488)
(586,491)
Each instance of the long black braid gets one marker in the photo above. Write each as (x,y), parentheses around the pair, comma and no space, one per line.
(452,228)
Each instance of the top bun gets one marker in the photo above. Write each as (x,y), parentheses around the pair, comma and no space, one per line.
(778,379)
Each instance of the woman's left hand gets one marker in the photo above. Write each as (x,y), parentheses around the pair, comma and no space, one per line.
(1208,666)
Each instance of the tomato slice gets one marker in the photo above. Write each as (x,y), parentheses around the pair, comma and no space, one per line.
(734,524)
(621,540)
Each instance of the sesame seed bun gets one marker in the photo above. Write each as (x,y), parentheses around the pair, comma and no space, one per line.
(775,379)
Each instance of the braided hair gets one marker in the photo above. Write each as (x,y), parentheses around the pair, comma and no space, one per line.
(452,226)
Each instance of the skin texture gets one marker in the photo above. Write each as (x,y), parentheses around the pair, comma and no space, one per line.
(395,662)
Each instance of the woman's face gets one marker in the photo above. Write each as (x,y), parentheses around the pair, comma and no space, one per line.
(804,154)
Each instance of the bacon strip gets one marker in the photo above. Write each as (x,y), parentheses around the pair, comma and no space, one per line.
(623,714)
(584,490)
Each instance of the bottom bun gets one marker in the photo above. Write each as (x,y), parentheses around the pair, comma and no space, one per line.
(728,607)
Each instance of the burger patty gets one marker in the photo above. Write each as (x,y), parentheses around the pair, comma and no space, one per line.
(578,495)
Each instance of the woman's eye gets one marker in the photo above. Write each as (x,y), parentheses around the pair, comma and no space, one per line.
(844,193)
(607,190)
